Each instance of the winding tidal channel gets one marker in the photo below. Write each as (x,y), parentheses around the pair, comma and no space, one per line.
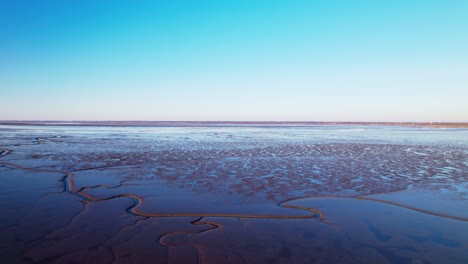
(233,195)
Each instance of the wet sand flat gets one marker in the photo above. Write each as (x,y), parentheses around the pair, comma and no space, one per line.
(233,194)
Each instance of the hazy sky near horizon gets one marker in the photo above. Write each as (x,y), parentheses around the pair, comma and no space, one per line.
(389,60)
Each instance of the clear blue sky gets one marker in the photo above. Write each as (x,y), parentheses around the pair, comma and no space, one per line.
(234,60)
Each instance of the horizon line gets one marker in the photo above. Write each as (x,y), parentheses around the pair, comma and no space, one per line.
(221,122)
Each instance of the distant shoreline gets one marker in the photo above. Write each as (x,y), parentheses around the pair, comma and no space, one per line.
(228,123)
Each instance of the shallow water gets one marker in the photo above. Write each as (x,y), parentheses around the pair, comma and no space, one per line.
(238,194)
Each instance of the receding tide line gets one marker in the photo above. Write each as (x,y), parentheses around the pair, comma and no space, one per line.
(412,208)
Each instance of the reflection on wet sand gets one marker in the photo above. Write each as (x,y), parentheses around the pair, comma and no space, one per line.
(185,224)
(138,201)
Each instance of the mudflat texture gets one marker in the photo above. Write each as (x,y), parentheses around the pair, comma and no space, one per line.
(233,194)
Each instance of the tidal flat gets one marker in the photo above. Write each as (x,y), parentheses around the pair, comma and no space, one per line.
(233,194)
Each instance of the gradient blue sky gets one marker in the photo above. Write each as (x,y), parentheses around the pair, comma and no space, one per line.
(234,60)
